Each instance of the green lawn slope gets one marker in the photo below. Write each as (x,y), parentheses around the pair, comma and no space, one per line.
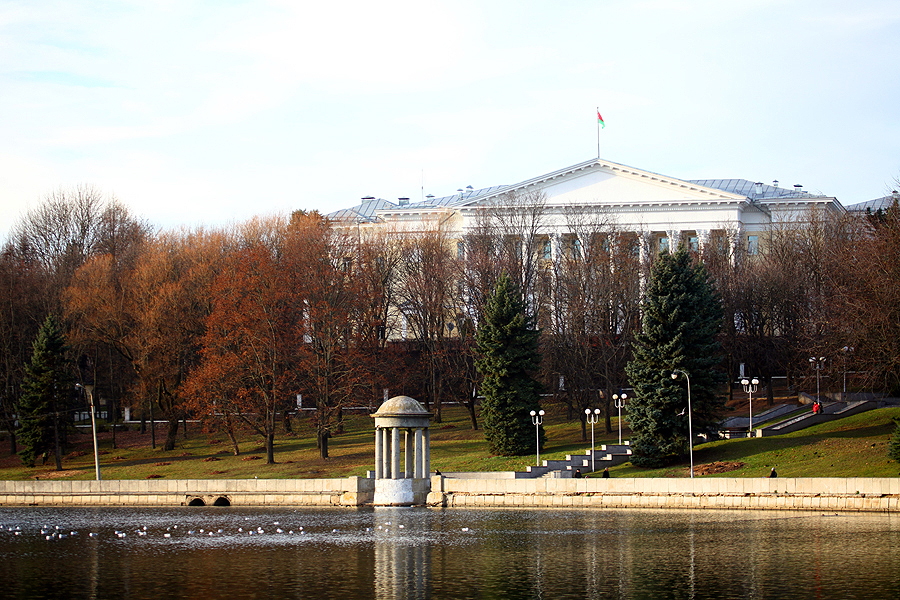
(852,447)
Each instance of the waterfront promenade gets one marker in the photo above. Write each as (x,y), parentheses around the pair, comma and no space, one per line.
(826,493)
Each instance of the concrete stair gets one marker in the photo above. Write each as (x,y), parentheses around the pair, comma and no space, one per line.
(607,455)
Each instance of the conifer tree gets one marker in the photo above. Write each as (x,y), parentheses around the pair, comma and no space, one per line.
(44,390)
(508,355)
(682,315)
(894,443)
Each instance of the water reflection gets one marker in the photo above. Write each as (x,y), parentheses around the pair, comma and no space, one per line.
(420,553)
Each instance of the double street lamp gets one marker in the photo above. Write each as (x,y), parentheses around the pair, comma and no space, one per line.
(593,419)
(536,419)
(690,427)
(620,404)
(750,386)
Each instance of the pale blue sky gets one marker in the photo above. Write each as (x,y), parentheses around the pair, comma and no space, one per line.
(209,112)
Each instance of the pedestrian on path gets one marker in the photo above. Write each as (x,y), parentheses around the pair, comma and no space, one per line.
(773,474)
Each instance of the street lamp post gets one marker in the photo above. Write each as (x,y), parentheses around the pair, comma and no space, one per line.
(537,418)
(593,420)
(817,363)
(620,404)
(845,350)
(89,390)
(690,427)
(750,386)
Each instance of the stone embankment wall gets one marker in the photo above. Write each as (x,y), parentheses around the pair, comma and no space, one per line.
(833,494)
(349,491)
(838,494)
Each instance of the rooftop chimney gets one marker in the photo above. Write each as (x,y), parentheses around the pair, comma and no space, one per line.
(775,183)
(403,201)
(758,188)
(798,188)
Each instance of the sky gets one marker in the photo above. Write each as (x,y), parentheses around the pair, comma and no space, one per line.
(211,112)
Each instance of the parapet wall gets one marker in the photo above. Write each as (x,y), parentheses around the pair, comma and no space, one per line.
(833,494)
(349,491)
(826,493)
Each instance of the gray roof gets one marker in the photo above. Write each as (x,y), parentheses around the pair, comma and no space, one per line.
(745,187)
(882,203)
(365,212)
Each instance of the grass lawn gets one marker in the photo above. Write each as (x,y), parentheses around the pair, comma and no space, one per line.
(852,447)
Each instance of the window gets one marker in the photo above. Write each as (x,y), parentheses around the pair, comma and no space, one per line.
(460,250)
(544,249)
(663,244)
(693,243)
(752,244)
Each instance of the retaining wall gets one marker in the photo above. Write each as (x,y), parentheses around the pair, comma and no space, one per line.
(350,491)
(838,494)
(833,494)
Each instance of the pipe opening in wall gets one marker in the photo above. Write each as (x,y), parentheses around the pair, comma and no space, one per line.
(222,501)
(197,502)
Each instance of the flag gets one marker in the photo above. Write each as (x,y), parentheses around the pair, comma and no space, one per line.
(600,120)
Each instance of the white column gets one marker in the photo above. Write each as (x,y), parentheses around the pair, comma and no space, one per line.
(395,453)
(427,452)
(645,241)
(386,454)
(420,454)
(410,454)
(379,467)
(674,236)
(702,240)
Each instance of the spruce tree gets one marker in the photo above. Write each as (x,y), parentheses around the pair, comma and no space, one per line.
(894,443)
(508,355)
(682,315)
(45,387)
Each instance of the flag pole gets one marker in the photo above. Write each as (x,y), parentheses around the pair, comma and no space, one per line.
(598,132)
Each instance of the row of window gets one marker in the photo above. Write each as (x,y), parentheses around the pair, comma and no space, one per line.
(571,245)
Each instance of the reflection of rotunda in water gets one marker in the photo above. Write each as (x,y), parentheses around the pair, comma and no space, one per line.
(402,560)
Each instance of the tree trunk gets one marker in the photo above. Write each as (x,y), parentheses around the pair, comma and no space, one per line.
(114,417)
(152,421)
(270,448)
(470,406)
(234,442)
(288,428)
(323,442)
(171,434)
(56,441)
(606,409)
(13,450)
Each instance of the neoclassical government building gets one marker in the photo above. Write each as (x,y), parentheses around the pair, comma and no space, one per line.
(663,210)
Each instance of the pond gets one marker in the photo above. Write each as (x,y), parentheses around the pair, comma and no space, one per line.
(239,553)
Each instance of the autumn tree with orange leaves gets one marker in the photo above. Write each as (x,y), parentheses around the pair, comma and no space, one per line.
(246,368)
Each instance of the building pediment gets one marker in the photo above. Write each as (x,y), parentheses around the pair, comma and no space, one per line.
(604,183)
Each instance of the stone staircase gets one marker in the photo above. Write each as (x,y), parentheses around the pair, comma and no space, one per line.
(607,455)
(830,411)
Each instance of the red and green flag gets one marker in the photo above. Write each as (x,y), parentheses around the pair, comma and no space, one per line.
(600,120)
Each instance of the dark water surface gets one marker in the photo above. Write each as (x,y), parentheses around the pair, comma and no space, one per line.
(458,553)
